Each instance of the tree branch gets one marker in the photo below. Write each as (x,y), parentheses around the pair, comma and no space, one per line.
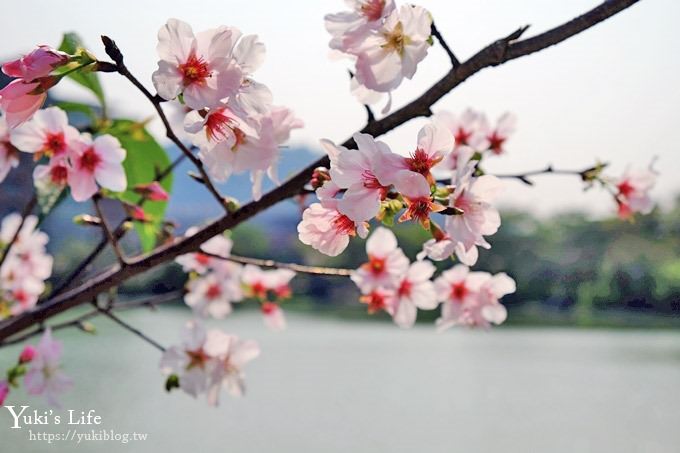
(454,61)
(494,54)
(315,270)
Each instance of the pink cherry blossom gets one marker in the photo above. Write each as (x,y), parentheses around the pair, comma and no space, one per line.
(45,377)
(393,51)
(213,293)
(386,263)
(200,262)
(54,174)
(4,391)
(417,196)
(190,361)
(200,67)
(467,128)
(379,299)
(473,196)
(273,316)
(47,134)
(349,28)
(256,153)
(472,298)
(93,162)
(40,62)
(354,170)
(438,249)
(20,100)
(495,137)
(232,354)
(222,124)
(435,141)
(9,154)
(414,290)
(632,192)
(328,230)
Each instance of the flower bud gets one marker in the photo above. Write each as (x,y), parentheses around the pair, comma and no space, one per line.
(27,354)
(319,176)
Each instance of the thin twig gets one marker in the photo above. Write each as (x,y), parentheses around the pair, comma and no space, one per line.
(315,270)
(497,53)
(134,330)
(77,322)
(119,232)
(25,213)
(454,61)
(549,170)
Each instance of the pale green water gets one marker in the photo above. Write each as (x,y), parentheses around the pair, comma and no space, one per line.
(333,386)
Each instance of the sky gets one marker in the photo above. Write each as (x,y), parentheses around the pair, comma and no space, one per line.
(610,93)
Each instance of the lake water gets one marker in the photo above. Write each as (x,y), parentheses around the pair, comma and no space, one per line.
(334,386)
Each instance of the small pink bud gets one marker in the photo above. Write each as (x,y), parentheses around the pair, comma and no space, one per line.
(39,63)
(137,213)
(152,191)
(27,354)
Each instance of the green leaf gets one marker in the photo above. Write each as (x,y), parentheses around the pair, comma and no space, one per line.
(72,45)
(76,107)
(144,157)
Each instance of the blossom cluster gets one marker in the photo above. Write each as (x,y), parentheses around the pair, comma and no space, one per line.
(66,157)
(41,371)
(231,117)
(386,43)
(389,282)
(206,360)
(375,182)
(26,265)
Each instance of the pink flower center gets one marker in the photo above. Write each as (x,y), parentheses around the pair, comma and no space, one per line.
(419,209)
(373,9)
(54,144)
(421,162)
(462,136)
(214,291)
(268,308)
(625,188)
(405,288)
(58,175)
(197,358)
(496,143)
(283,292)
(202,259)
(375,301)
(259,290)
(90,160)
(194,70)
(218,125)
(459,291)
(344,225)
(375,264)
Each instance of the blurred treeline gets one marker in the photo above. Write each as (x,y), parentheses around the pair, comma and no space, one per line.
(569,270)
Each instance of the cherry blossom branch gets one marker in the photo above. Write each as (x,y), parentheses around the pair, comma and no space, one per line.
(25,213)
(151,302)
(314,270)
(454,61)
(112,51)
(585,174)
(499,52)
